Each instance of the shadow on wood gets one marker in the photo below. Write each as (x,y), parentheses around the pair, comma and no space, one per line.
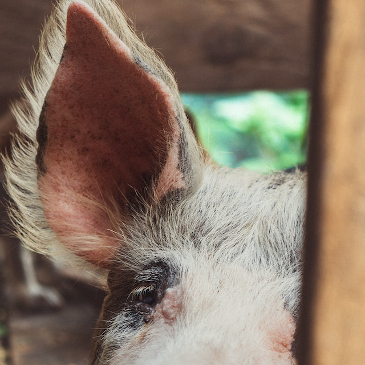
(332,328)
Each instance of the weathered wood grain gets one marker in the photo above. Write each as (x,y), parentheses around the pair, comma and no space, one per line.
(212,45)
(333,324)
(20,24)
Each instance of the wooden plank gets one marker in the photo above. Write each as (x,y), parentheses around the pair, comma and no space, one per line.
(20,24)
(4,332)
(332,330)
(62,338)
(229,45)
(211,45)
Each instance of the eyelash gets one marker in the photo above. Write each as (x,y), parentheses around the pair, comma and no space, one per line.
(139,294)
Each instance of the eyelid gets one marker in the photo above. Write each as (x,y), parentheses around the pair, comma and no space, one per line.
(141,291)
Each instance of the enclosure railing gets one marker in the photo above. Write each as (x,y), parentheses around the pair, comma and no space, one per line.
(332,329)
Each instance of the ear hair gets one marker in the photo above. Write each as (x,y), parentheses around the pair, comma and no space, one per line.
(28,211)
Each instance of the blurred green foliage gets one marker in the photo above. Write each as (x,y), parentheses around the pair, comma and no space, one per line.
(3,331)
(260,130)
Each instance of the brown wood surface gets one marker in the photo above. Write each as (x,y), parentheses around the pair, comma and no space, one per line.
(61,338)
(20,24)
(212,45)
(333,324)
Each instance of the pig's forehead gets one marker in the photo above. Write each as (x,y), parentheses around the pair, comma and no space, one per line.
(189,270)
(204,281)
(235,216)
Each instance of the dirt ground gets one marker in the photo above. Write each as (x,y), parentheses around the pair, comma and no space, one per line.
(61,337)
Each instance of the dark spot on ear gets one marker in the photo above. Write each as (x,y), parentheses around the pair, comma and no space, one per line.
(143,65)
(63,53)
(192,123)
(134,200)
(41,136)
(170,198)
(184,157)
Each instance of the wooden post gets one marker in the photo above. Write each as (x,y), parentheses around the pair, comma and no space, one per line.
(332,329)
(226,45)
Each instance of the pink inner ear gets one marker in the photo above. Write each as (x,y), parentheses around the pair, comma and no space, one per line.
(111,132)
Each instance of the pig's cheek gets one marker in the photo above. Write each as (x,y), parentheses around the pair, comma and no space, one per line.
(282,338)
(167,311)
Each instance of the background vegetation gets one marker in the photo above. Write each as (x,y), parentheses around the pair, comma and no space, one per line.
(261,130)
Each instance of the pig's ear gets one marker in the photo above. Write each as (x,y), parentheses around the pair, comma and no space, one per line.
(110,134)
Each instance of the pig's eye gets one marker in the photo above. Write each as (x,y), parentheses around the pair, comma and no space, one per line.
(149,289)
(142,301)
(144,295)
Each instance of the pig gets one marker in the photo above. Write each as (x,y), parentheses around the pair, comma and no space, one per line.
(202,262)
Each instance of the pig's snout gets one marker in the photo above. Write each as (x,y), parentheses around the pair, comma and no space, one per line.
(215,326)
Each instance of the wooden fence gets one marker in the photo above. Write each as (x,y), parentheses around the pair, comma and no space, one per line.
(332,330)
(212,45)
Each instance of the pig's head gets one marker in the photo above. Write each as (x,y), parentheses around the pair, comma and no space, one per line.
(203,262)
